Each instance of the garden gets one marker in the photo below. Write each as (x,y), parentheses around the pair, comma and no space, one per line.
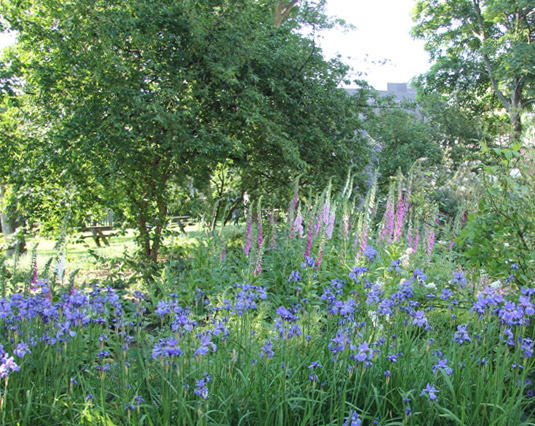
(206,222)
(326,313)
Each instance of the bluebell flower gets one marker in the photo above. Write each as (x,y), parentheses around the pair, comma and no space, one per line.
(353,419)
(356,272)
(365,353)
(22,349)
(527,347)
(446,294)
(201,388)
(420,275)
(461,335)
(166,348)
(309,261)
(430,391)
(442,364)
(396,266)
(370,253)
(295,276)
(7,365)
(408,411)
(206,345)
(286,315)
(420,319)
(458,279)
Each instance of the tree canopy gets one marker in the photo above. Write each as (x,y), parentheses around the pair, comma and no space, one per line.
(129,96)
(484,52)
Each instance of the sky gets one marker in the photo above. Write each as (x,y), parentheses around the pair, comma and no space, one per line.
(380,48)
(381,45)
(6,39)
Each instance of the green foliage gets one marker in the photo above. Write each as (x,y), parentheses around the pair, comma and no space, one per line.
(110,371)
(215,340)
(402,138)
(501,232)
(455,127)
(126,99)
(483,52)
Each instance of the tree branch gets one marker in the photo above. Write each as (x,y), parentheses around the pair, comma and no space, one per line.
(528,102)
(486,59)
(282,11)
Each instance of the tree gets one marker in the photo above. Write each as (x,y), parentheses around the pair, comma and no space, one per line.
(402,138)
(11,219)
(458,131)
(134,95)
(481,48)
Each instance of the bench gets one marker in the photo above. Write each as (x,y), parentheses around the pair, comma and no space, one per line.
(97,234)
(182,222)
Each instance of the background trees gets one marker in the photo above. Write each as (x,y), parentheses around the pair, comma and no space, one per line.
(131,96)
(402,137)
(484,52)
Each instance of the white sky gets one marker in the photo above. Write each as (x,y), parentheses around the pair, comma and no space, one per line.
(382,33)
(6,39)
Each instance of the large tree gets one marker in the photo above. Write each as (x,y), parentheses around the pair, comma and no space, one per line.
(133,95)
(481,48)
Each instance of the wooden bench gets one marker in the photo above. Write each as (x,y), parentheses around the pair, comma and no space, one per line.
(182,222)
(97,233)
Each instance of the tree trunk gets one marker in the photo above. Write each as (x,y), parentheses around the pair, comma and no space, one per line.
(161,223)
(232,208)
(144,235)
(7,228)
(155,183)
(16,241)
(215,215)
(516,123)
(515,111)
